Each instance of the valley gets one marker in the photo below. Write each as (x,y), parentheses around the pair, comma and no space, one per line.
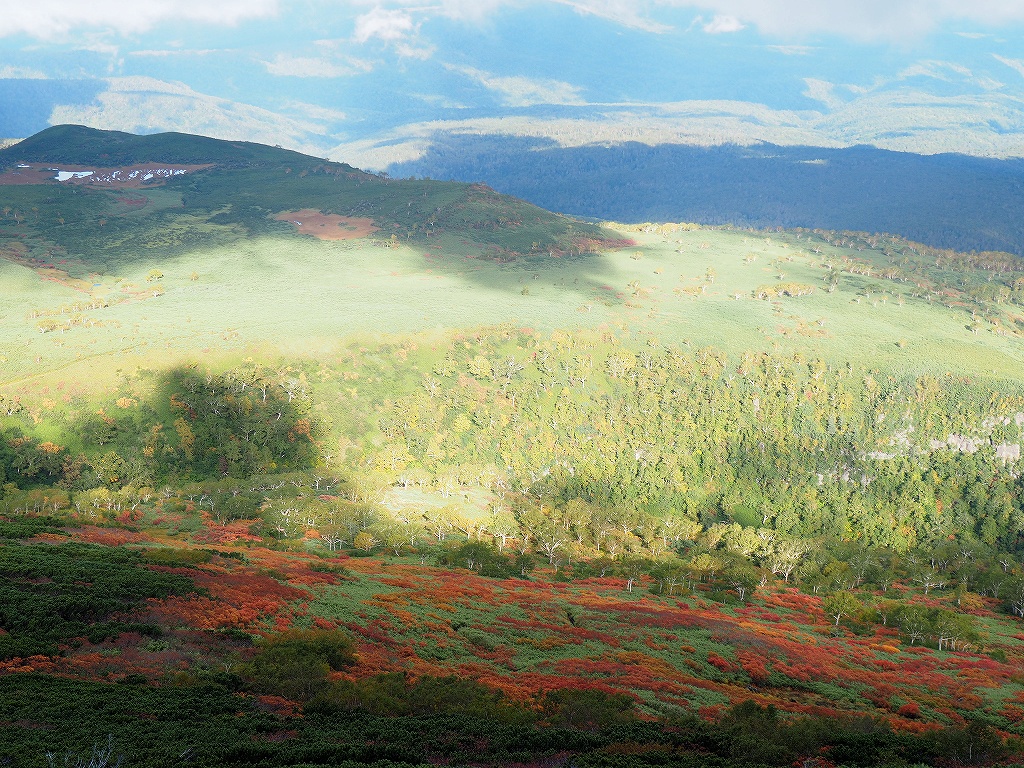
(360,466)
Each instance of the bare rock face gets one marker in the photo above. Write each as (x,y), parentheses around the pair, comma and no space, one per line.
(1008,452)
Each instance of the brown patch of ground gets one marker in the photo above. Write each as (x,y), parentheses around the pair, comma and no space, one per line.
(132,176)
(18,254)
(55,275)
(26,176)
(328,226)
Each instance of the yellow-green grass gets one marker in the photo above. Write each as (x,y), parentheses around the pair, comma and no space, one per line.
(295,296)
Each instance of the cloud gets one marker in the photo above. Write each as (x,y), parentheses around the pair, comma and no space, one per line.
(377,155)
(396,20)
(163,53)
(723,25)
(20,73)
(823,91)
(422,52)
(865,20)
(473,11)
(524,91)
(1015,64)
(625,12)
(622,12)
(439,101)
(284,65)
(316,111)
(383,24)
(948,72)
(792,50)
(65,19)
(396,29)
(147,105)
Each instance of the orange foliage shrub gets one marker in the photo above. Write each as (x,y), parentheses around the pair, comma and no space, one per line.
(719,663)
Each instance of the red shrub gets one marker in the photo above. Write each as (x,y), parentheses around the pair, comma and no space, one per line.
(717,661)
(910,710)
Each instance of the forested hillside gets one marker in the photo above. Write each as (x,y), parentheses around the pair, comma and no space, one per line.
(648,445)
(608,542)
(947,201)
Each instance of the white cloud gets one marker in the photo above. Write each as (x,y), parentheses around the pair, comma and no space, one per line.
(374,155)
(422,52)
(437,100)
(892,20)
(861,19)
(395,20)
(381,23)
(723,25)
(20,73)
(397,29)
(65,19)
(823,91)
(864,20)
(624,12)
(1015,64)
(164,53)
(316,111)
(949,72)
(792,50)
(946,71)
(145,105)
(988,84)
(302,66)
(468,10)
(524,91)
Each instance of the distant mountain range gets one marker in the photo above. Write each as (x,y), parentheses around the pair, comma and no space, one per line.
(947,201)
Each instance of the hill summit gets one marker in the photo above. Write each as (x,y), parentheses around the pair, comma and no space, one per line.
(83,145)
(218,192)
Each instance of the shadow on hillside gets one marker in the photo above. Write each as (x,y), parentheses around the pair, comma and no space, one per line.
(590,275)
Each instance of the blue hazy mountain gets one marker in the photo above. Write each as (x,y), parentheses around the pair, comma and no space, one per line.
(949,201)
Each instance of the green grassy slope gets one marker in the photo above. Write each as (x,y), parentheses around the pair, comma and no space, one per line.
(82,145)
(303,296)
(99,229)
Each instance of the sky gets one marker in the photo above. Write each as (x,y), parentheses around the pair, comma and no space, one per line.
(373,82)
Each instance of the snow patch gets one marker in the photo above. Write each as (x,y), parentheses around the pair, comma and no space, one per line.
(65,175)
(112,177)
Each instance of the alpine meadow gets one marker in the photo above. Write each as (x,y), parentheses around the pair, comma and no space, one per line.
(307,466)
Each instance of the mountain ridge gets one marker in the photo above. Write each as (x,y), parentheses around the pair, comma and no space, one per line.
(946,201)
(82,144)
(222,192)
